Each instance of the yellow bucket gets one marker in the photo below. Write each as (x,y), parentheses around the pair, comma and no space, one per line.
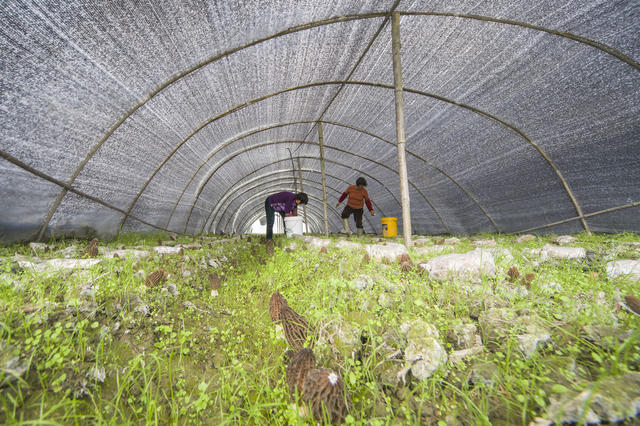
(389,226)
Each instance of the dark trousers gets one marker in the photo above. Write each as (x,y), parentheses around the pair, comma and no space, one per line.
(357,215)
(271,218)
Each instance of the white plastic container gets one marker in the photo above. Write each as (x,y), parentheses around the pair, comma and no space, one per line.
(293,225)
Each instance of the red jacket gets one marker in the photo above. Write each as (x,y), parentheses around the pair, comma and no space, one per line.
(357,197)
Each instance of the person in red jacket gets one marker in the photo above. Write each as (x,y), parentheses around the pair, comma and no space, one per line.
(358,196)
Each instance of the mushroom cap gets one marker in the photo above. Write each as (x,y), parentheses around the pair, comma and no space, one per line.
(92,248)
(288,356)
(406,266)
(513,273)
(295,327)
(155,278)
(301,363)
(404,257)
(214,281)
(324,391)
(633,303)
(275,305)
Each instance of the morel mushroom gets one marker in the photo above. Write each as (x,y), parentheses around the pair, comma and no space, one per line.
(324,391)
(214,281)
(513,273)
(528,279)
(406,266)
(92,248)
(155,278)
(301,363)
(633,303)
(295,326)
(288,356)
(275,305)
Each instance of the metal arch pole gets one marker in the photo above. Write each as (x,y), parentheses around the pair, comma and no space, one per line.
(338,19)
(571,219)
(240,194)
(256,213)
(373,135)
(214,212)
(227,194)
(324,186)
(402,159)
(276,183)
(212,173)
(304,208)
(272,187)
(315,223)
(441,98)
(69,188)
(231,221)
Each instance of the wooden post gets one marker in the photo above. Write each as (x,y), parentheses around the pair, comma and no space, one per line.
(324,185)
(306,224)
(402,160)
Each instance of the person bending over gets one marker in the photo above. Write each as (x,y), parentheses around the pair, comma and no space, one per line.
(284,203)
(358,196)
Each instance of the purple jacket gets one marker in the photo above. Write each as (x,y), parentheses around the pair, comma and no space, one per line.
(284,202)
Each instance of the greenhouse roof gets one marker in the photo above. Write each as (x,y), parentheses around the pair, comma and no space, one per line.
(184,115)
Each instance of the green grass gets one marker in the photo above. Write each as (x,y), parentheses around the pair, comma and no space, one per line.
(218,359)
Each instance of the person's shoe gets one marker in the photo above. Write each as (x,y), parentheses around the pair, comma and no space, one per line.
(360,232)
(345,229)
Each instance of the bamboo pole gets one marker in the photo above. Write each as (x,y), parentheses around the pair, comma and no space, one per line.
(402,160)
(306,224)
(324,185)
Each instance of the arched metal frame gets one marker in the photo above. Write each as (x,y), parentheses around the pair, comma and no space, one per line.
(571,219)
(259,198)
(314,224)
(10,158)
(317,185)
(601,46)
(308,143)
(328,147)
(53,180)
(313,227)
(373,135)
(256,197)
(258,211)
(482,113)
(236,195)
(218,206)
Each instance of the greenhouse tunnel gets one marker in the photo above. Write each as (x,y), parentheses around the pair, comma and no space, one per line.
(122,117)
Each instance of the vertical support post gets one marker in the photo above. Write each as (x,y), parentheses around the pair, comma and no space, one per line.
(324,186)
(306,224)
(402,160)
